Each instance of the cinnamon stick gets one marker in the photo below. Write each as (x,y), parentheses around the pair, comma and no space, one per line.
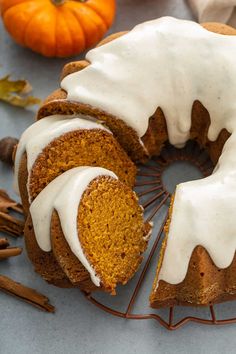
(10,252)
(11,225)
(26,294)
(15,227)
(7,203)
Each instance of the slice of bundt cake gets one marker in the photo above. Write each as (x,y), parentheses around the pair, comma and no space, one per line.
(186,273)
(91,223)
(58,143)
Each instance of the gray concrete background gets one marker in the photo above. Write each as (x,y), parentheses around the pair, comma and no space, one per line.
(78,326)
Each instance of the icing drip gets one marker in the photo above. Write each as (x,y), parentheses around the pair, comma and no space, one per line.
(204,213)
(64,194)
(43,132)
(170,63)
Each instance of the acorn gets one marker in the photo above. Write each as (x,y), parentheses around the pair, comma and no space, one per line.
(7,149)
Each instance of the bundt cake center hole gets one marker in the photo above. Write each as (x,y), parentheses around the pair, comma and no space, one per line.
(182,165)
(178,172)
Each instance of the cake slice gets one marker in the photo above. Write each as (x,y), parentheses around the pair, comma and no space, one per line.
(91,224)
(58,143)
(194,269)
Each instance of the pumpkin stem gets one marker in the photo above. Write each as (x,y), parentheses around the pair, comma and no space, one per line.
(58,2)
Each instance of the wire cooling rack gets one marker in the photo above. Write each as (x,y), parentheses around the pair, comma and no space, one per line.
(154,196)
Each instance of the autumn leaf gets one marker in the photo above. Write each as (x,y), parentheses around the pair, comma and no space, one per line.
(14,92)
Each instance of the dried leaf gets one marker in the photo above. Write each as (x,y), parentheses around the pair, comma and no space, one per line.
(12,91)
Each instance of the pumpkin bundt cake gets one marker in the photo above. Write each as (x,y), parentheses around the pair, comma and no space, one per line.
(90,224)
(173,80)
(58,143)
(166,80)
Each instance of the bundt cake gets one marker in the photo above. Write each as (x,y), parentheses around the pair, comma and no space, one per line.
(168,80)
(86,227)
(58,143)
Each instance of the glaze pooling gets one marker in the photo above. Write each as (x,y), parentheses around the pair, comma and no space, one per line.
(170,63)
(43,132)
(64,194)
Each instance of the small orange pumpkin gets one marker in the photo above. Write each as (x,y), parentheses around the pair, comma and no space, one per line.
(57,28)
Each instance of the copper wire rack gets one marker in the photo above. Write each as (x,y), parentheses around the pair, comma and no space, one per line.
(150,186)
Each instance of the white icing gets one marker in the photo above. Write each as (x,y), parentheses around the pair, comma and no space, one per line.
(165,63)
(64,194)
(204,213)
(43,132)
(170,63)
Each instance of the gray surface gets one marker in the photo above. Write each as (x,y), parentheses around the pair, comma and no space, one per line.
(78,326)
